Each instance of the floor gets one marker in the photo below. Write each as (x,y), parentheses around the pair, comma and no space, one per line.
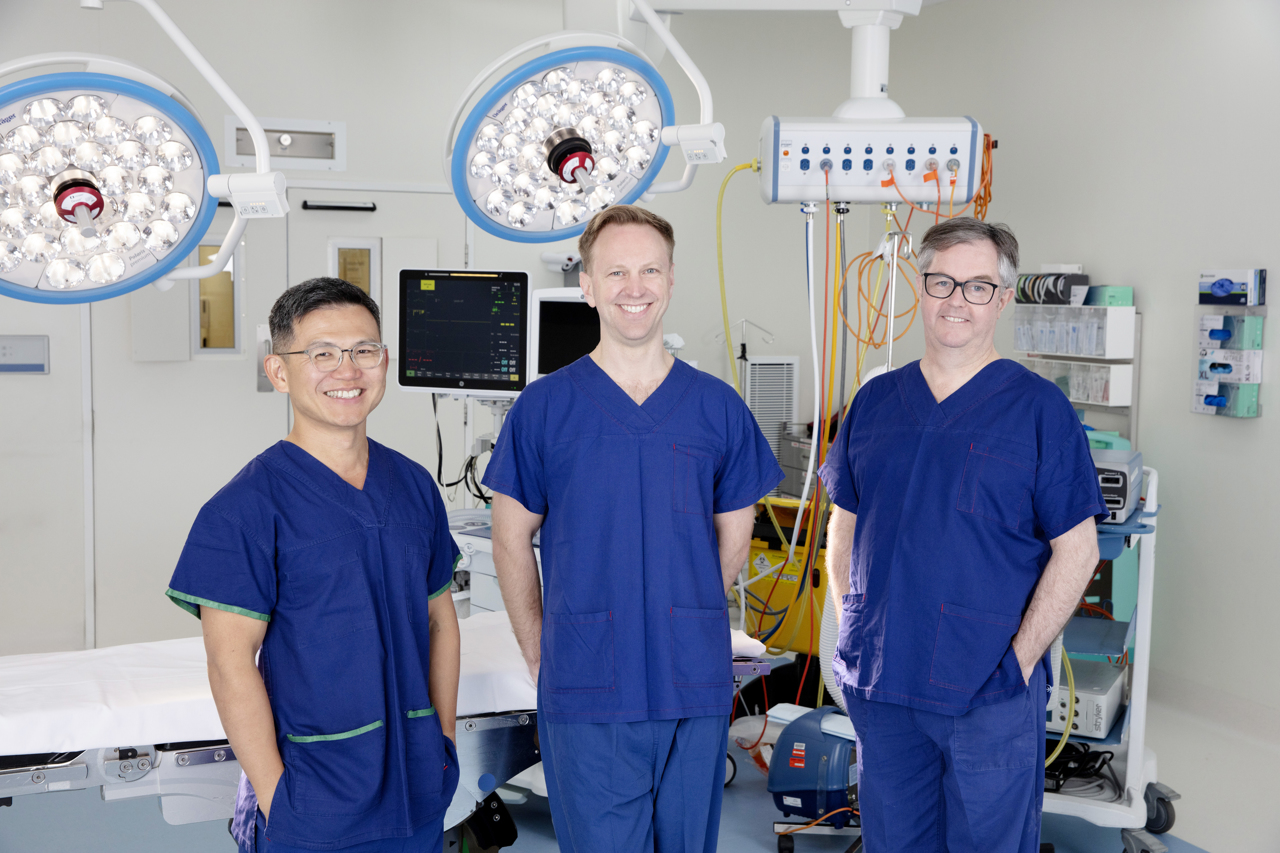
(1227,780)
(746,826)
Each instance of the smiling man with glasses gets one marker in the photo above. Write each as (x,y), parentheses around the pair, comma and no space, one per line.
(331,554)
(965,504)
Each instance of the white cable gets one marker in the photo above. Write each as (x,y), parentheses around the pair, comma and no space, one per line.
(817,381)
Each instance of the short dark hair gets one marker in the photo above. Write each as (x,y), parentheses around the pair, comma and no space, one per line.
(623,214)
(966,229)
(314,293)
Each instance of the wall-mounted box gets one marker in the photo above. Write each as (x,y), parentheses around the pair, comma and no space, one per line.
(24,353)
(1080,331)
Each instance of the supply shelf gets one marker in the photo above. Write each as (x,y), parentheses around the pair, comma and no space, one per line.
(1143,796)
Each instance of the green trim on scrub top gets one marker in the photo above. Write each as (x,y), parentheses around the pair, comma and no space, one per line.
(414,714)
(441,591)
(339,736)
(187,602)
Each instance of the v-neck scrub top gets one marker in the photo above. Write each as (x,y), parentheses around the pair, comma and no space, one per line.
(956,504)
(343,577)
(634,620)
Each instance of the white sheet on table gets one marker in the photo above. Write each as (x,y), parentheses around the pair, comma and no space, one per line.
(143,693)
(745,646)
(147,693)
(495,677)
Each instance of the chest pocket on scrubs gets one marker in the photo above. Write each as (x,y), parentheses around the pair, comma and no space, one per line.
(695,479)
(337,774)
(330,599)
(579,652)
(996,484)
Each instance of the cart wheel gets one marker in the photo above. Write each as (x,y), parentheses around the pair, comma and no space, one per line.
(786,844)
(730,769)
(1162,820)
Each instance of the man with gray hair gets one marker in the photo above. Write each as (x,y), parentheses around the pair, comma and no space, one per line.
(965,504)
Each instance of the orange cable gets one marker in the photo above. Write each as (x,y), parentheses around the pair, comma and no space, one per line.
(820,820)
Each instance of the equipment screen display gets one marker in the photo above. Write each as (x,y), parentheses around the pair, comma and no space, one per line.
(463,330)
(566,332)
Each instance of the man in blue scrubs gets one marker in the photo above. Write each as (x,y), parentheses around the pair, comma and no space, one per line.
(331,554)
(965,504)
(642,474)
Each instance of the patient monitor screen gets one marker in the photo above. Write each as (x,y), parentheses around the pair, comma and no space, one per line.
(463,330)
(566,332)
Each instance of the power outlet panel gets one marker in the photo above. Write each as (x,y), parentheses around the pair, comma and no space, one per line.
(862,153)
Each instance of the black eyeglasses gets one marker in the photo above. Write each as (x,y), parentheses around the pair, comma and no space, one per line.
(939,286)
(326,358)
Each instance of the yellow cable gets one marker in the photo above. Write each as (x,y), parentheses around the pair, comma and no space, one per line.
(754,165)
(1071,711)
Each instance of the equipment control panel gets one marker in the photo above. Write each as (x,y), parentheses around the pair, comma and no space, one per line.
(853,160)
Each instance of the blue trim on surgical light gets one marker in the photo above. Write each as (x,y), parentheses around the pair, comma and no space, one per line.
(973,154)
(459,167)
(171,110)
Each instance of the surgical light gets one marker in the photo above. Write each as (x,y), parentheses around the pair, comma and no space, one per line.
(105,177)
(57,159)
(569,133)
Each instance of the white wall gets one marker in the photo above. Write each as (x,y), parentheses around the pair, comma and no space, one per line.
(1132,140)
(1113,120)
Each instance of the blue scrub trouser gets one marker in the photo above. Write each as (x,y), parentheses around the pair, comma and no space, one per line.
(426,839)
(636,787)
(969,784)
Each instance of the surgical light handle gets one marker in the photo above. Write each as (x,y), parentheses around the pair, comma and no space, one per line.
(257,135)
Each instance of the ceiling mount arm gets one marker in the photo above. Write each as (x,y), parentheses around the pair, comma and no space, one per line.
(193,54)
(265,195)
(685,62)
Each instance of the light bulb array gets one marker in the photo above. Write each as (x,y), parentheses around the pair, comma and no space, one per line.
(615,101)
(101,183)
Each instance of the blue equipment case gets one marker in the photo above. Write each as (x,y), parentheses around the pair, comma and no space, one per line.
(811,771)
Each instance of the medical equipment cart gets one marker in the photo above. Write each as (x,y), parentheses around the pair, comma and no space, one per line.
(1144,808)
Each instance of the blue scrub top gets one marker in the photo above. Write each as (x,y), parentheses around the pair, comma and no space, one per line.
(634,625)
(343,576)
(956,504)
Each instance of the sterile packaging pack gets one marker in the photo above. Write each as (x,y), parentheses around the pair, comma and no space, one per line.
(1234,366)
(1229,331)
(1233,287)
(1231,400)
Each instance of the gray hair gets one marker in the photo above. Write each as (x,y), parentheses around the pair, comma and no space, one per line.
(966,229)
(301,299)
